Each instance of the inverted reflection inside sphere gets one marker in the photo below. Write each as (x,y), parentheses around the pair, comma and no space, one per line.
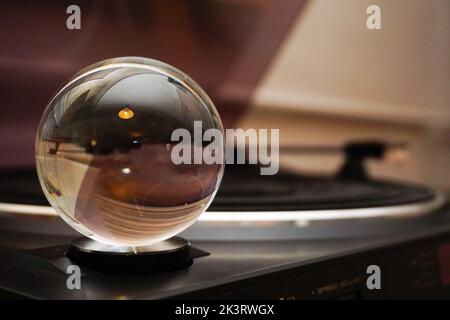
(103,152)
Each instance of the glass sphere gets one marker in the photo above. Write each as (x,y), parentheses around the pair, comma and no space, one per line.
(103,152)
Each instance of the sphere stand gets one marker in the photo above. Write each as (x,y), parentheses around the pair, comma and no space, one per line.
(169,255)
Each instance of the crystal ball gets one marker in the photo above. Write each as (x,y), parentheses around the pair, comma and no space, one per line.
(104,152)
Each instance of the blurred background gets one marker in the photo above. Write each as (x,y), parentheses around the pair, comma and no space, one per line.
(310,68)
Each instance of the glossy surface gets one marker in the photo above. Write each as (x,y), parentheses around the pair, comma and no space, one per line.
(103,152)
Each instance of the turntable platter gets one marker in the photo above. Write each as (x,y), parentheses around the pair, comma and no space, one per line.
(21,186)
(253,207)
(247,196)
(291,192)
(250,192)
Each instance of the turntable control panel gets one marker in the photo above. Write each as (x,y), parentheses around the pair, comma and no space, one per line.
(413,270)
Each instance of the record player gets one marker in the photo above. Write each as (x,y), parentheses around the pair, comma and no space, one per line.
(264,237)
(289,236)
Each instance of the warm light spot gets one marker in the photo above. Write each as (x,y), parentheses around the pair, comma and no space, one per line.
(136,134)
(126,170)
(126,113)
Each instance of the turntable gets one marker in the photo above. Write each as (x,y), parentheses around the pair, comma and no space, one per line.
(272,237)
(287,236)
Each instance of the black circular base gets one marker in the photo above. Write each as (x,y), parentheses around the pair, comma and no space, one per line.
(169,255)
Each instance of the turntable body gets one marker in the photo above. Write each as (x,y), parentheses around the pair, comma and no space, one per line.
(258,240)
(411,267)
